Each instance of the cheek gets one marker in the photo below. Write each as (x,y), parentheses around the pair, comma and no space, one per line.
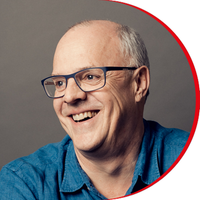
(57,106)
(123,104)
(112,106)
(119,94)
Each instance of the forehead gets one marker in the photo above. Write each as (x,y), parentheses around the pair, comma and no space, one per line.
(85,46)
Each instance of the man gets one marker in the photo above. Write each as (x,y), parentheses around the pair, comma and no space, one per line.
(99,84)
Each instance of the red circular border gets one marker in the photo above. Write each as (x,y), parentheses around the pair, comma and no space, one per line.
(197,92)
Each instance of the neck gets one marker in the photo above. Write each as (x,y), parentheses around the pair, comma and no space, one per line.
(111,173)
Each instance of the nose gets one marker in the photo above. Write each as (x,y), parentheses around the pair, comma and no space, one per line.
(73,93)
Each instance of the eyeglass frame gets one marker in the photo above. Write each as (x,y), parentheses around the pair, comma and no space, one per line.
(105,69)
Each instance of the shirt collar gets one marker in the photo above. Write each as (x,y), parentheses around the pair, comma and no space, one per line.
(73,177)
(147,164)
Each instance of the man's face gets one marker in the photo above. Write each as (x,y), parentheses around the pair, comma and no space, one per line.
(113,107)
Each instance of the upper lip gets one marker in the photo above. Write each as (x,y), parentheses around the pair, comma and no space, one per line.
(81,111)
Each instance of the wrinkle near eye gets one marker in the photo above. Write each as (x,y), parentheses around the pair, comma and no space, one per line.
(116,76)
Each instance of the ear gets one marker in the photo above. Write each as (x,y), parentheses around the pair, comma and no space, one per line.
(142,80)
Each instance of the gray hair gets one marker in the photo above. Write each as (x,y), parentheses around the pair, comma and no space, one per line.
(133,47)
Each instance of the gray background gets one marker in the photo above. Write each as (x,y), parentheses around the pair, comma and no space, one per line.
(29,32)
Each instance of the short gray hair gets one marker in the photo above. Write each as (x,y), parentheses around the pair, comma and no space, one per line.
(133,47)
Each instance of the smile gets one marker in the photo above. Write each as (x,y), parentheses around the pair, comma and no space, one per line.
(84,116)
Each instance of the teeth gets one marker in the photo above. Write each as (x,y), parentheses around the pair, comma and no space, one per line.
(89,114)
(84,115)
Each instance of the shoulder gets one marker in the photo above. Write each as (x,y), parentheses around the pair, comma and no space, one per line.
(41,158)
(168,142)
(28,175)
(168,136)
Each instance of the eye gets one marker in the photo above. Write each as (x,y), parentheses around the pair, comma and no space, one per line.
(90,77)
(59,83)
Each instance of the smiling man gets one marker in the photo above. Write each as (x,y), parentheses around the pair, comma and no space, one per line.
(99,86)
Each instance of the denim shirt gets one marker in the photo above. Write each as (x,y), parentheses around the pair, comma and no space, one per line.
(53,172)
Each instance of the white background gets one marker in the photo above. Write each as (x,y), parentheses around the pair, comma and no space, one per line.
(183,18)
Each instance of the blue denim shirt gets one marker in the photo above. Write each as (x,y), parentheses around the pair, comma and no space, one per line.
(53,172)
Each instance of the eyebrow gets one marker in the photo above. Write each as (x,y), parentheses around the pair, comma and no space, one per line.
(81,68)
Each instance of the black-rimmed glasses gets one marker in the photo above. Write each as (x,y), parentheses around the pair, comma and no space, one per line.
(88,80)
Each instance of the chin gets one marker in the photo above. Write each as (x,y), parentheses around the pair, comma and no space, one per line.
(88,143)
